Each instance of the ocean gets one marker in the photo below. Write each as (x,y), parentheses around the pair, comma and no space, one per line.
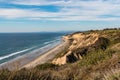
(14,45)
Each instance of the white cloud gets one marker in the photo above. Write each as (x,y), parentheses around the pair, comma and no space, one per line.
(72,10)
(36,2)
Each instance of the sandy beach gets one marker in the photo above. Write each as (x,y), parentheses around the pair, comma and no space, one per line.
(32,59)
(47,56)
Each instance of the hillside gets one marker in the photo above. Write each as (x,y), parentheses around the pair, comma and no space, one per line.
(91,55)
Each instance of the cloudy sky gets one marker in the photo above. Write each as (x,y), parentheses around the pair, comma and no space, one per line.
(58,15)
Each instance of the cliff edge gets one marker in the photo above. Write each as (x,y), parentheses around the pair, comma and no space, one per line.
(82,43)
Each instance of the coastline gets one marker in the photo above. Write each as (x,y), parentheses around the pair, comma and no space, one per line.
(27,60)
(47,56)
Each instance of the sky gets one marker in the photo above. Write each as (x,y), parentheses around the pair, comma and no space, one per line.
(58,15)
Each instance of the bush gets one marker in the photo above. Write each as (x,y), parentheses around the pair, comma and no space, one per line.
(102,43)
(46,66)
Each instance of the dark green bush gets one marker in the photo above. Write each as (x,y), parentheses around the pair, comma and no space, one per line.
(101,43)
(46,66)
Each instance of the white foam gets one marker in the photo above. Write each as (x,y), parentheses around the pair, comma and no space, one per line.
(51,41)
(15,53)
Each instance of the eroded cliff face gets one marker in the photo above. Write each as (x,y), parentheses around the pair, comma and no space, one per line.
(80,44)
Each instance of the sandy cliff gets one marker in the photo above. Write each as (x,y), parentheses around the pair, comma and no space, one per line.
(80,44)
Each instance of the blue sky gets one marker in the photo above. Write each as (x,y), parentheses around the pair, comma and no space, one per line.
(58,15)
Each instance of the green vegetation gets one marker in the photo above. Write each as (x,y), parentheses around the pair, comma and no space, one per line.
(101,62)
(95,58)
(46,66)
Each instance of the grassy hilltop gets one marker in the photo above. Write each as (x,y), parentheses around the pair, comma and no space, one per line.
(91,55)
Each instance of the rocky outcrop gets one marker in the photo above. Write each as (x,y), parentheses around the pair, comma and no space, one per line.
(81,44)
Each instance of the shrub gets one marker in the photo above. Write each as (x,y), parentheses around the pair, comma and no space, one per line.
(101,43)
(46,66)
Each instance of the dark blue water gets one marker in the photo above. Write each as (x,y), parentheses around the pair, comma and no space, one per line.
(13,45)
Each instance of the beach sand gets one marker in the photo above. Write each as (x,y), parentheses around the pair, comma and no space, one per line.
(28,62)
(47,56)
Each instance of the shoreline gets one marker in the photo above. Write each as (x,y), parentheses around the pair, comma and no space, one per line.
(34,58)
(47,56)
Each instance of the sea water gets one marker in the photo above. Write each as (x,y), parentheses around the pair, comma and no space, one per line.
(13,45)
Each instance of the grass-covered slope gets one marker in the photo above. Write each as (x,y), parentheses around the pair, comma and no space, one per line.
(98,58)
